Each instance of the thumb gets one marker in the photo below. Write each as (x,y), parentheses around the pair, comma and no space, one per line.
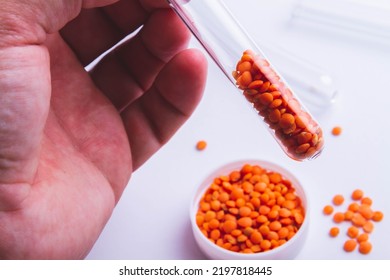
(25,87)
(30,21)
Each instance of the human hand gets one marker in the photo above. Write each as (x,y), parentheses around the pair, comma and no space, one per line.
(69,139)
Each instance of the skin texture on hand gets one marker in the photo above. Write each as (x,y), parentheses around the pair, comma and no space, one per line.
(70,139)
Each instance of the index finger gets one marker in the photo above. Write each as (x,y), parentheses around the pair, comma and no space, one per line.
(154,4)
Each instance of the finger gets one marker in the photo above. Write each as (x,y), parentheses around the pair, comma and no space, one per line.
(155,117)
(28,22)
(97,3)
(24,103)
(90,35)
(126,73)
(95,31)
(25,89)
(154,4)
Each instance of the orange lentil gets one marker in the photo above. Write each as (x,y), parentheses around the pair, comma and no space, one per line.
(334,231)
(290,235)
(377,216)
(242,238)
(365,247)
(283,232)
(264,210)
(229,225)
(264,197)
(215,234)
(272,235)
(265,244)
(275,178)
(353,232)
(357,194)
(237,193)
(273,214)
(284,212)
(223,197)
(264,230)
(328,210)
(230,239)
(254,215)
(201,145)
(255,248)
(358,220)
(244,211)
(362,237)
(248,231)
(213,224)
(236,232)
(215,205)
(256,237)
(365,211)
(248,187)
(280,200)
(233,211)
(205,206)
(350,245)
(262,219)
(290,196)
(286,221)
(354,207)
(235,176)
(275,225)
(298,218)
(273,100)
(227,246)
(247,168)
(255,202)
(282,241)
(210,215)
(348,215)
(289,204)
(366,201)
(338,217)
(229,217)
(244,222)
(338,199)
(244,66)
(246,78)
(368,227)
(240,202)
(336,131)
(250,210)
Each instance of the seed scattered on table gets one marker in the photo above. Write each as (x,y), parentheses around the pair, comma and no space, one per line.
(361,216)
(334,231)
(201,145)
(337,130)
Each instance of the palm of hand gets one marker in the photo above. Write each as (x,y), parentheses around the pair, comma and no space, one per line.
(56,201)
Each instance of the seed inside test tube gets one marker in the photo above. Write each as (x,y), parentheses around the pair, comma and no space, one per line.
(296,131)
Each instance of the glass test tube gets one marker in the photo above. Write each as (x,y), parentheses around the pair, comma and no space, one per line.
(313,84)
(245,65)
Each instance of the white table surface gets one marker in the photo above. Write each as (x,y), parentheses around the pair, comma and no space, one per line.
(151,221)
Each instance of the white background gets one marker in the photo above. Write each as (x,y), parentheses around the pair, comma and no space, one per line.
(151,221)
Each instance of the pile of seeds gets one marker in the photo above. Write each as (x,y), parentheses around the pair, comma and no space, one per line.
(298,134)
(250,210)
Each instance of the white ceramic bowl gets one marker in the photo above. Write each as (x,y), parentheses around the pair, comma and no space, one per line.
(289,250)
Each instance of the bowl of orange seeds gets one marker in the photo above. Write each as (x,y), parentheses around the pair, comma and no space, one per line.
(250,210)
